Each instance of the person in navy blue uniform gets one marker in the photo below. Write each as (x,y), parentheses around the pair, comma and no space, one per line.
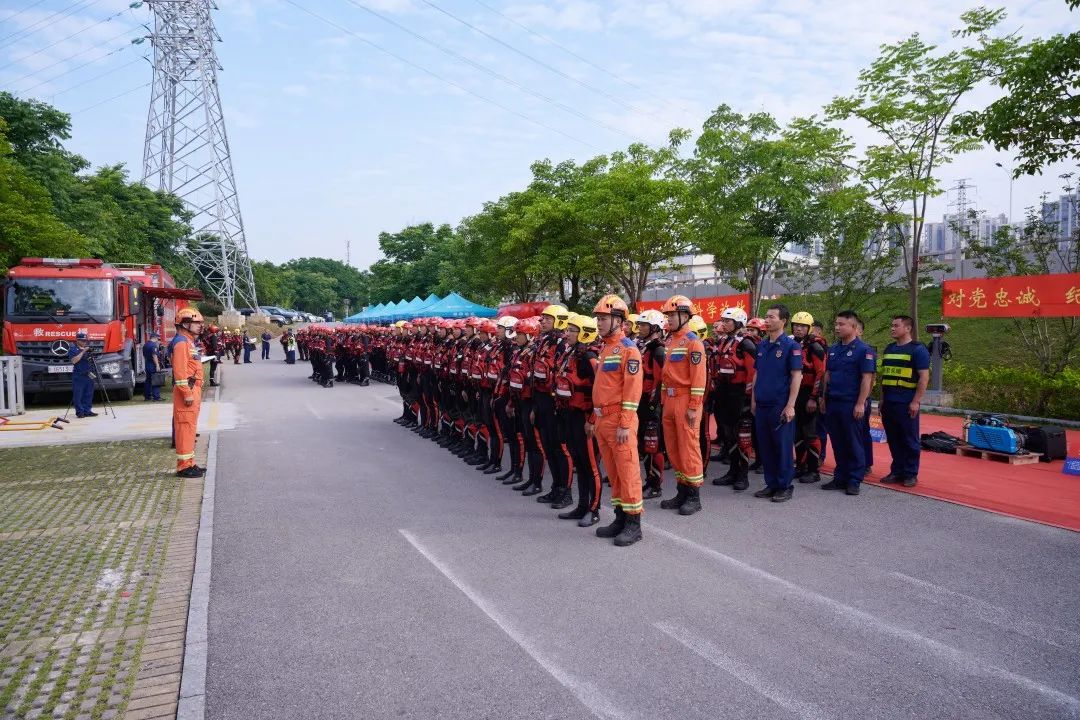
(905,373)
(849,377)
(82,379)
(266,337)
(153,364)
(776,386)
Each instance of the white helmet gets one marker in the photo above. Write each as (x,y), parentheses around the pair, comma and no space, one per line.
(654,318)
(507,322)
(734,313)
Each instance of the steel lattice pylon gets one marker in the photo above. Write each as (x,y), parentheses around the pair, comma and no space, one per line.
(187,151)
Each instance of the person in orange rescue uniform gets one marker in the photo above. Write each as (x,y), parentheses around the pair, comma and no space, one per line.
(187,390)
(683,393)
(616,392)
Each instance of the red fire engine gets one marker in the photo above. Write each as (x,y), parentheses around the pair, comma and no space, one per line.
(48,300)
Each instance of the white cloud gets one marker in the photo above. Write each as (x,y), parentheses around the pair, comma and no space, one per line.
(295,90)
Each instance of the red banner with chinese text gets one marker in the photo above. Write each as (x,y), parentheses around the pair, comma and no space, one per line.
(1014,296)
(709,308)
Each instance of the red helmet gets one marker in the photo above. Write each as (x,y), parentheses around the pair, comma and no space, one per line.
(489,327)
(473,322)
(756,323)
(529,326)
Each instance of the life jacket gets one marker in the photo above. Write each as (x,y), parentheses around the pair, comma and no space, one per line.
(581,387)
(521,373)
(650,368)
(547,356)
(731,361)
(813,362)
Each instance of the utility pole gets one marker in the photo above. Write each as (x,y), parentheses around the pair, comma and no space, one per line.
(187,152)
(962,210)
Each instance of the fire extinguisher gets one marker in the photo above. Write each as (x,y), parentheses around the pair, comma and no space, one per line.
(746,442)
(652,438)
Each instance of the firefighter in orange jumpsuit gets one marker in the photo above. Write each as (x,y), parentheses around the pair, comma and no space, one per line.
(616,392)
(187,392)
(683,394)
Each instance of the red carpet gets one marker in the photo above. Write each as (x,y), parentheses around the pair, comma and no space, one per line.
(1039,492)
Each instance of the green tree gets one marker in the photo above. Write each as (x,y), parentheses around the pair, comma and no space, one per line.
(632,206)
(909,95)
(411,261)
(757,190)
(1038,248)
(28,227)
(1039,117)
(36,132)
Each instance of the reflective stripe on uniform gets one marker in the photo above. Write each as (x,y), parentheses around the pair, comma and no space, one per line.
(180,383)
(185,456)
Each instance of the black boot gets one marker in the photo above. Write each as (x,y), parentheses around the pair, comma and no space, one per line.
(576,514)
(510,477)
(610,531)
(589,519)
(631,531)
(676,502)
(534,488)
(741,482)
(547,497)
(692,503)
(651,491)
(493,468)
(522,484)
(727,478)
(562,500)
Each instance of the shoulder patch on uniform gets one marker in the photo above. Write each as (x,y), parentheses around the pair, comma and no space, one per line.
(692,335)
(695,357)
(627,342)
(632,366)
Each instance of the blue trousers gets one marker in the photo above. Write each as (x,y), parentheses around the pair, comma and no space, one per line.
(149,391)
(776,446)
(265,350)
(848,437)
(868,441)
(247,353)
(902,434)
(82,394)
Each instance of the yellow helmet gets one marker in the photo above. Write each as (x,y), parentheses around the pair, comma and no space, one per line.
(633,318)
(699,326)
(587,330)
(802,318)
(187,315)
(559,314)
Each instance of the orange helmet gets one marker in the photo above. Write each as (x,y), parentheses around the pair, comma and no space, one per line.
(611,305)
(188,315)
(678,303)
(529,327)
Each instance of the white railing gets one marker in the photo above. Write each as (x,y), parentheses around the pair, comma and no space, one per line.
(11,385)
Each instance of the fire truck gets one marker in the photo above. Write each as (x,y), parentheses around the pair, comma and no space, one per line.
(46,301)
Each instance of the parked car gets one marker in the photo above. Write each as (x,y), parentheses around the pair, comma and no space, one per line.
(286,315)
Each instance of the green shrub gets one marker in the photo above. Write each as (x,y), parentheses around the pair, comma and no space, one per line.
(1016,390)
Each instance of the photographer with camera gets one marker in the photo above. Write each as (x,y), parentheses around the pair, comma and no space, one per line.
(82,378)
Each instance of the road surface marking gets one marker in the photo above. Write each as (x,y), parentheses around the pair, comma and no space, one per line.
(992,614)
(957,659)
(740,671)
(585,692)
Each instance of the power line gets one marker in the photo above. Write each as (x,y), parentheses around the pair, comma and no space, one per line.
(28,30)
(72,57)
(98,59)
(570,52)
(492,73)
(114,97)
(90,80)
(17,13)
(78,32)
(435,75)
(592,88)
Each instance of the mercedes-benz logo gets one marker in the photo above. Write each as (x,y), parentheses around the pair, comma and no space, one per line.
(60,348)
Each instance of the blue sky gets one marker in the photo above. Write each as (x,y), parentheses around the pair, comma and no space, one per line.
(333,140)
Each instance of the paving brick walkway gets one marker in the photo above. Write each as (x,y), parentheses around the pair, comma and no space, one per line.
(97,549)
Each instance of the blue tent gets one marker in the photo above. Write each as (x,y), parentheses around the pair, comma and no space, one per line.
(421,308)
(455,306)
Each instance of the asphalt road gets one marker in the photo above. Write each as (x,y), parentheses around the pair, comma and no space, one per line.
(360,571)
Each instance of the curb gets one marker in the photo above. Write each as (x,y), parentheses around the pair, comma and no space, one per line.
(192,705)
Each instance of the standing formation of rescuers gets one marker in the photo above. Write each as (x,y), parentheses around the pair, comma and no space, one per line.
(566,392)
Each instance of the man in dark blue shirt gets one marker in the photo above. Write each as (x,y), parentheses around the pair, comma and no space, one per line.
(905,372)
(153,364)
(849,377)
(776,385)
(82,380)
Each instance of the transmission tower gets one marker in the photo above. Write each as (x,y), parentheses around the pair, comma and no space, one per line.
(187,151)
(967,228)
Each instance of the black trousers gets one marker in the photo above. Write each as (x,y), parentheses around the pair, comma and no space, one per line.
(533,452)
(510,435)
(584,456)
(729,405)
(550,440)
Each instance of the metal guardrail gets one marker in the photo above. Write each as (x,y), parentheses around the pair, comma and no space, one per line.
(11,386)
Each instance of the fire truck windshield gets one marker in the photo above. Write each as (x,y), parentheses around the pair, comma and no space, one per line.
(58,298)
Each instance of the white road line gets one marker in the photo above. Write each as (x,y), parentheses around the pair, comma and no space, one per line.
(740,671)
(314,412)
(586,693)
(992,614)
(956,659)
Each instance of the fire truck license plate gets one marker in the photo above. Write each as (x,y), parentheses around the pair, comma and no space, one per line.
(61,368)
